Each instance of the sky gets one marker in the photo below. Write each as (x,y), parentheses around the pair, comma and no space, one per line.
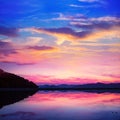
(61,41)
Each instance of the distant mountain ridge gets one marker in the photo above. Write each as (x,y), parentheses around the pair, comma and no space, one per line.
(84,86)
(9,80)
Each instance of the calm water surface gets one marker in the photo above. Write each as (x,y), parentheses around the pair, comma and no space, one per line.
(64,106)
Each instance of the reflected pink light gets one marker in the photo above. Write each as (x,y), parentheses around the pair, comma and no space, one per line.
(74,99)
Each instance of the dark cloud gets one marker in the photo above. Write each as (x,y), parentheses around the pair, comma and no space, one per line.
(68,31)
(10,32)
(7,48)
(40,47)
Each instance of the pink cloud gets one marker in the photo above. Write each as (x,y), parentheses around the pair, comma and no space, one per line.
(39,79)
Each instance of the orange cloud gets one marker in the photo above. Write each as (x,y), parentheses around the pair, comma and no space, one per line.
(23,54)
(67,34)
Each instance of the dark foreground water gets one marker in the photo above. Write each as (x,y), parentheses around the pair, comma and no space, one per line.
(57,105)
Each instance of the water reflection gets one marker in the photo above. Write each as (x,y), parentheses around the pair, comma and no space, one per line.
(10,97)
(65,106)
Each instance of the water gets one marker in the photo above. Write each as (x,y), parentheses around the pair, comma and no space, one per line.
(65,105)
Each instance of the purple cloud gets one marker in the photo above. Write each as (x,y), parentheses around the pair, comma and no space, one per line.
(7,48)
(10,32)
(41,47)
(66,30)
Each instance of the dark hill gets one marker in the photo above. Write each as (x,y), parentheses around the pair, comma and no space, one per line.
(9,80)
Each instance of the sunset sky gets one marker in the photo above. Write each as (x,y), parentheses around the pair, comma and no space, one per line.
(61,41)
